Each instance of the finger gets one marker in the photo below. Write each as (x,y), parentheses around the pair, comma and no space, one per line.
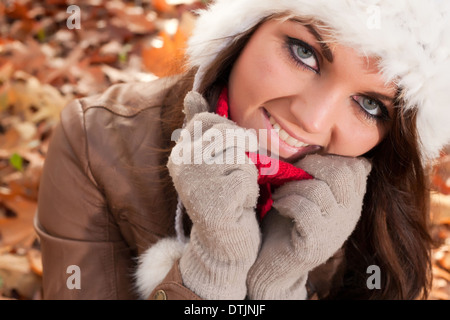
(203,121)
(344,175)
(320,165)
(194,103)
(236,137)
(297,198)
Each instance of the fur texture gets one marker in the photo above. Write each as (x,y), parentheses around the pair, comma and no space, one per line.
(155,263)
(411,38)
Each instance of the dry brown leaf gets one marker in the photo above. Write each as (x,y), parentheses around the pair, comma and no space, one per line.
(440,178)
(440,208)
(75,55)
(162,6)
(26,56)
(163,61)
(91,78)
(19,229)
(9,142)
(169,59)
(130,17)
(440,293)
(444,262)
(16,10)
(441,273)
(35,260)
(17,276)
(6,70)
(6,213)
(442,257)
(32,100)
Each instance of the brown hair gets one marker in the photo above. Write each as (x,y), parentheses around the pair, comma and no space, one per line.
(393,230)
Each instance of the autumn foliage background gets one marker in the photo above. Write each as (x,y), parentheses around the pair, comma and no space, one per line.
(44,64)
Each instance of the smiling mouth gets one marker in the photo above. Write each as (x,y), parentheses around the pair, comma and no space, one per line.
(284,135)
(293,148)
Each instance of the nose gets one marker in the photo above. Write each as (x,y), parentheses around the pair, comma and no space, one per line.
(317,112)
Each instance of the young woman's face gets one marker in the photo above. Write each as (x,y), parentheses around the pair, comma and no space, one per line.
(325,100)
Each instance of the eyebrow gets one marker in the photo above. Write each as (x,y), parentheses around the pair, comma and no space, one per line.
(326,51)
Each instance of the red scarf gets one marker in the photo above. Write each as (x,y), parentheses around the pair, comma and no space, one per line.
(267,183)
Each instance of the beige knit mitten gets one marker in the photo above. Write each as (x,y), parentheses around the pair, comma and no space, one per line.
(311,221)
(219,196)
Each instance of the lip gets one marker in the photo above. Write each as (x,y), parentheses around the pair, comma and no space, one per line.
(285,150)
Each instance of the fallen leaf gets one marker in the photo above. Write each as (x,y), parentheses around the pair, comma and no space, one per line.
(19,229)
(162,6)
(163,61)
(16,161)
(440,207)
(35,260)
(8,142)
(17,277)
(441,273)
(166,56)
(16,10)
(440,177)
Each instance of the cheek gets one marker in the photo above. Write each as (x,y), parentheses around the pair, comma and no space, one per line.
(246,81)
(258,76)
(355,139)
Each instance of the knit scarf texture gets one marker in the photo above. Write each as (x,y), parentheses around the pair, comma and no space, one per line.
(267,182)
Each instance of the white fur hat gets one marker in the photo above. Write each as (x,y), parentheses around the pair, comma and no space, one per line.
(411,38)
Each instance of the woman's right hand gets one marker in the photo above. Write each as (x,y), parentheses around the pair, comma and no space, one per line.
(217,184)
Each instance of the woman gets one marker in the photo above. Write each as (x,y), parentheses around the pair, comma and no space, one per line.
(352,92)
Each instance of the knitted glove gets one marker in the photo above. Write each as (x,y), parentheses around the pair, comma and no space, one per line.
(220,200)
(312,220)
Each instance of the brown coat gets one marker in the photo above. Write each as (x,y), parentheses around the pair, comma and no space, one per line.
(100,205)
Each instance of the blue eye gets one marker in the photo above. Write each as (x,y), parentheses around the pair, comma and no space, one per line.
(303,54)
(371,106)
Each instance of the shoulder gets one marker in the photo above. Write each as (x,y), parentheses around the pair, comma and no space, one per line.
(103,156)
(122,100)
(118,126)
(121,104)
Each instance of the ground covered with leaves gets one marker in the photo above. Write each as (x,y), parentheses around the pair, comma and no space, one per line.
(49,57)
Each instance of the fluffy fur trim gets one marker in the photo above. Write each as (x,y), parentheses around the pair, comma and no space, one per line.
(155,263)
(411,38)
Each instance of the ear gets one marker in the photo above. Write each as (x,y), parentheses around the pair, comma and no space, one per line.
(155,263)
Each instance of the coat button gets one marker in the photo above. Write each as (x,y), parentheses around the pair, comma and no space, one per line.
(160,295)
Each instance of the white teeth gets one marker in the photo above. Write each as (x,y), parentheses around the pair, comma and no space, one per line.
(272,120)
(291,141)
(285,136)
(301,144)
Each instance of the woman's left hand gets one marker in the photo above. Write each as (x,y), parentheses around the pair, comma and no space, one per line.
(310,221)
